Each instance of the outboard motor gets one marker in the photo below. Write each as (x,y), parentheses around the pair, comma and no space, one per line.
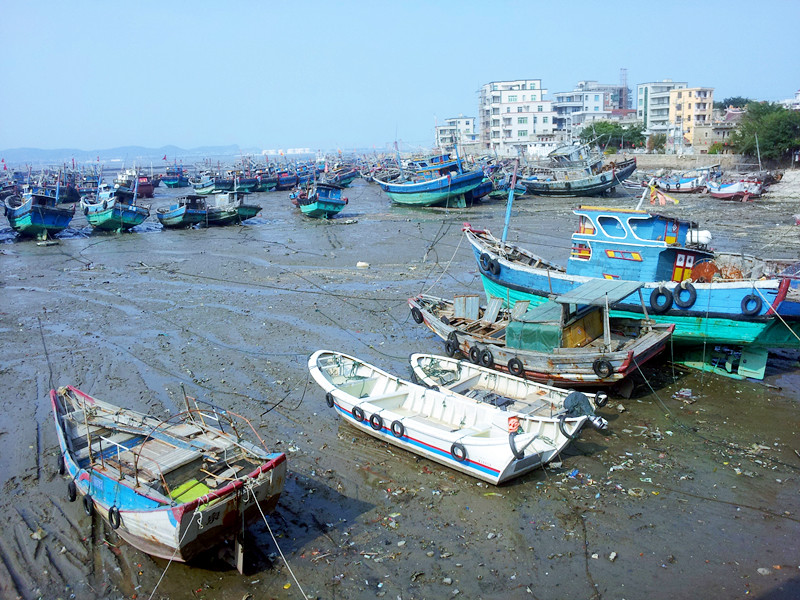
(577,405)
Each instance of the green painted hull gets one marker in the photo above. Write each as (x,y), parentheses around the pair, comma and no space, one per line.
(690,331)
(429,199)
(248,211)
(321,209)
(107,220)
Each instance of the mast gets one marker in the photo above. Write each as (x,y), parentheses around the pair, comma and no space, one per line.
(510,202)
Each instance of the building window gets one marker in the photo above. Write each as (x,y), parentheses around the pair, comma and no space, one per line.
(522,133)
(495,111)
(534,120)
(495,134)
(495,122)
(596,108)
(519,109)
(522,120)
(597,97)
(544,120)
(512,98)
(539,108)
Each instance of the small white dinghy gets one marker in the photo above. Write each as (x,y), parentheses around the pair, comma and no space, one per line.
(504,390)
(465,434)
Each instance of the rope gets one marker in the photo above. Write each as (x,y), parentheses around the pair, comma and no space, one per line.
(174,554)
(777,314)
(431,286)
(275,541)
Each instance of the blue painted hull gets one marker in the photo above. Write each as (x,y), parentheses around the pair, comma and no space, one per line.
(36,220)
(443,190)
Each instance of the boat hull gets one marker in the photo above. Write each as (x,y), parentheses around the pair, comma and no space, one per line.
(322,209)
(116,217)
(592,185)
(38,221)
(441,191)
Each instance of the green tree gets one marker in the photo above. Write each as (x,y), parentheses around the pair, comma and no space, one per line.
(656,142)
(609,134)
(715,148)
(735,101)
(776,128)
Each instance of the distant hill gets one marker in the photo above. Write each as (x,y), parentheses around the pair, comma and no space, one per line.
(127,154)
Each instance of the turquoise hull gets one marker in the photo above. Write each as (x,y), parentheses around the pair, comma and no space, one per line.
(689,330)
(120,217)
(322,209)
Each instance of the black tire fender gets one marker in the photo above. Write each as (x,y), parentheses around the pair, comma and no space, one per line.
(416,314)
(657,306)
(329,400)
(475,355)
(487,359)
(602,368)
(72,491)
(458,452)
(114,518)
(88,504)
(358,414)
(450,348)
(61,464)
(684,286)
(516,368)
(519,455)
(600,399)
(603,178)
(747,309)
(376,421)
(445,320)
(398,429)
(485,260)
(494,267)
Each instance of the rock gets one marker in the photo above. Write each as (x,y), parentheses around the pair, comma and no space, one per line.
(620,408)
(447,581)
(612,557)
(764,571)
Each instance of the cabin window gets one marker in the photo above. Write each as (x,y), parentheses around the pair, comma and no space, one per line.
(611,226)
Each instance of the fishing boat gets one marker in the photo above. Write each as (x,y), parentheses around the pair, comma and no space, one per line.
(286,180)
(570,340)
(742,190)
(575,170)
(483,440)
(224,208)
(495,387)
(186,211)
(678,184)
(710,297)
(176,176)
(322,201)
(36,213)
(129,179)
(171,488)
(437,180)
(114,209)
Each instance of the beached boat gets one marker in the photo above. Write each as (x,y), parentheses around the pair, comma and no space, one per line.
(286,180)
(129,179)
(575,170)
(495,387)
(477,438)
(568,341)
(711,297)
(176,176)
(224,208)
(114,209)
(172,488)
(37,212)
(321,201)
(184,212)
(739,191)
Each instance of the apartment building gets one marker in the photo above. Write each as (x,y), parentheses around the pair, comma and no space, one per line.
(688,109)
(652,104)
(515,119)
(458,130)
(577,108)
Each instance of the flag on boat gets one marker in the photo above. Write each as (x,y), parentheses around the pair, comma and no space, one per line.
(661,197)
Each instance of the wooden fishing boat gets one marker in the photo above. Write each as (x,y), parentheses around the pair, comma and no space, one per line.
(477,438)
(496,387)
(437,180)
(568,341)
(224,208)
(322,201)
(114,209)
(176,176)
(743,190)
(286,180)
(186,211)
(711,297)
(37,213)
(172,488)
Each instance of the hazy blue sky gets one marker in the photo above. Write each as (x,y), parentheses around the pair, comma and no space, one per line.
(328,74)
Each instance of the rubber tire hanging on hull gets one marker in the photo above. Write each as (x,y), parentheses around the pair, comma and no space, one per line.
(358,414)
(114,518)
(416,314)
(602,368)
(458,452)
(747,311)
(516,368)
(376,421)
(657,306)
(329,400)
(398,429)
(475,355)
(684,286)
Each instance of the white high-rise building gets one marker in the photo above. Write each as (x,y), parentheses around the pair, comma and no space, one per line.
(458,130)
(577,108)
(515,119)
(652,104)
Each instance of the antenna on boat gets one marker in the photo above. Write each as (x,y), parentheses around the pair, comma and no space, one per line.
(510,201)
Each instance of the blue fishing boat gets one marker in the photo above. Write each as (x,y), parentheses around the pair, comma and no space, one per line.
(114,209)
(37,212)
(286,180)
(434,181)
(186,211)
(322,201)
(711,297)
(176,176)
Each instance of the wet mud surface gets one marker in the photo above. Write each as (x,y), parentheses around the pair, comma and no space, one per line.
(682,497)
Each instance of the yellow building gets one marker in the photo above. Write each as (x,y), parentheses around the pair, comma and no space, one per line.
(688,108)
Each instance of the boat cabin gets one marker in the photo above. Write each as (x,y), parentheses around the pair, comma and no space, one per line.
(576,319)
(636,245)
